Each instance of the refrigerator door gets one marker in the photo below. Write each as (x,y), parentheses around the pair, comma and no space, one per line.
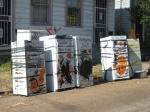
(28,68)
(65,61)
(134,56)
(83,56)
(114,52)
(59,62)
(107,58)
(120,65)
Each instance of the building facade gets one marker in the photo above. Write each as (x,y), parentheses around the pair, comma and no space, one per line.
(94,18)
(122,17)
(5,22)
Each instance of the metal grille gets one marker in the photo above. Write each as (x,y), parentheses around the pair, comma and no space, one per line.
(100,19)
(73,12)
(99,33)
(40,12)
(5,22)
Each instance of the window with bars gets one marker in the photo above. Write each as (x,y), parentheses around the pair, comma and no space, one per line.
(1,3)
(100,19)
(73,13)
(101,3)
(40,12)
(5,7)
(5,22)
(101,7)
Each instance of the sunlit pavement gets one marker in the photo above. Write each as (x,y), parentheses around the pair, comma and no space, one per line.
(120,96)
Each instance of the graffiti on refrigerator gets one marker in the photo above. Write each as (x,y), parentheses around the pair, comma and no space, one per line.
(65,69)
(85,67)
(28,67)
(85,62)
(36,83)
(120,57)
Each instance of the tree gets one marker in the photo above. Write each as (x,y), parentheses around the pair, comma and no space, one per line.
(140,17)
(145,7)
(140,12)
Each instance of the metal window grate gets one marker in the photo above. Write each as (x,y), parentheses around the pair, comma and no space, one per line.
(99,33)
(100,19)
(101,3)
(39,14)
(73,13)
(5,22)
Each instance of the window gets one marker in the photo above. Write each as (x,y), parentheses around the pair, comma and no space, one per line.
(1,3)
(5,22)
(100,19)
(101,7)
(39,12)
(73,13)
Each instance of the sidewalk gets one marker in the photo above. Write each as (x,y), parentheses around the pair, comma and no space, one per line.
(120,96)
(146,65)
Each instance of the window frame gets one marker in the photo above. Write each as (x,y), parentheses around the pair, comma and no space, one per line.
(100,26)
(48,15)
(81,13)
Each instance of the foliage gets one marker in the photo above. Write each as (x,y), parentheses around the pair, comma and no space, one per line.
(140,12)
(97,71)
(6,66)
(5,75)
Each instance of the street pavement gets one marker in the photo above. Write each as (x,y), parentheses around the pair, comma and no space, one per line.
(120,96)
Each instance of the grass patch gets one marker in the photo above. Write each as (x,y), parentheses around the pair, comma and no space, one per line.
(97,71)
(5,76)
(5,67)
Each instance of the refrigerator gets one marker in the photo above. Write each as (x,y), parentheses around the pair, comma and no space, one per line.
(83,60)
(134,56)
(59,62)
(24,34)
(28,68)
(114,58)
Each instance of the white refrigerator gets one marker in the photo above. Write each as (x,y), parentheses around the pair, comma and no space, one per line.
(28,68)
(59,62)
(114,57)
(83,60)
(134,56)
